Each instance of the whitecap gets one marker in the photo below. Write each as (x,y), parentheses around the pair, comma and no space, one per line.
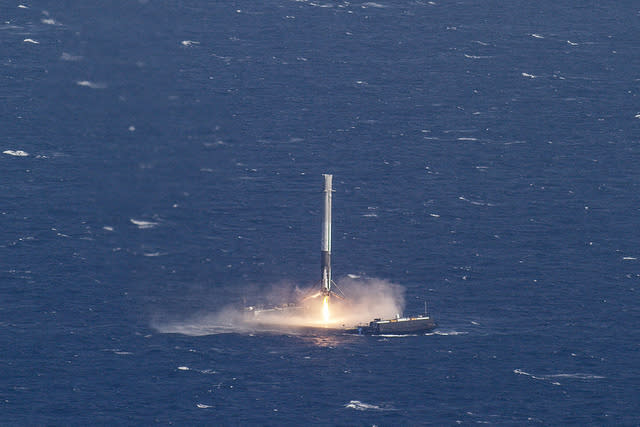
(16,153)
(325,5)
(183,368)
(572,43)
(531,76)
(203,406)
(92,85)
(32,41)
(21,6)
(475,56)
(189,43)
(449,333)
(143,224)
(153,254)
(527,374)
(49,21)
(475,202)
(629,258)
(536,36)
(117,351)
(108,228)
(361,406)
(467,139)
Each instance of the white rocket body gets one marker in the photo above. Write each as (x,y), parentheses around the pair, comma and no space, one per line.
(325,262)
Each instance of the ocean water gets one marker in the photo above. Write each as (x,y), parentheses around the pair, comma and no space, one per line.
(163,160)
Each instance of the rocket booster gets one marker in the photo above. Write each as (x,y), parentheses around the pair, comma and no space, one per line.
(325,262)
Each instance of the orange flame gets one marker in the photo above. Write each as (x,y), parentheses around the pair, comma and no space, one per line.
(325,308)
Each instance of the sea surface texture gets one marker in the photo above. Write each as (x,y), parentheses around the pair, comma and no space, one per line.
(163,160)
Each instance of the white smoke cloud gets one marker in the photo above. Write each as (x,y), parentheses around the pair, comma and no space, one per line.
(367,299)
(290,309)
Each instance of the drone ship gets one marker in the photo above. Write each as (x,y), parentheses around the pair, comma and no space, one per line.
(396,326)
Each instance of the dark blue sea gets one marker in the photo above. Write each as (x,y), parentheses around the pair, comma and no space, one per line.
(161,160)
